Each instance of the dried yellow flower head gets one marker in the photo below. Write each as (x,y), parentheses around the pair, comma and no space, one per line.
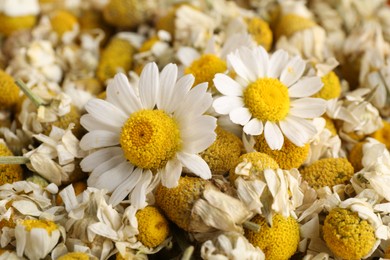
(9,173)
(74,256)
(91,19)
(383,134)
(153,227)
(290,156)
(355,156)
(11,24)
(331,88)
(329,124)
(128,13)
(9,91)
(48,225)
(280,241)
(260,32)
(260,162)
(63,21)
(63,122)
(292,23)
(91,85)
(117,56)
(347,235)
(177,203)
(328,172)
(223,154)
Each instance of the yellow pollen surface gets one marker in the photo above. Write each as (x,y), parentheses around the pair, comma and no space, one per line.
(383,134)
(62,22)
(150,138)
(9,173)
(74,256)
(9,90)
(49,226)
(292,23)
(205,68)
(355,156)
(267,99)
(260,32)
(347,235)
(153,227)
(331,88)
(11,24)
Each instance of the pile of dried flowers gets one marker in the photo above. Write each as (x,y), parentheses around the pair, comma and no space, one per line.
(194,129)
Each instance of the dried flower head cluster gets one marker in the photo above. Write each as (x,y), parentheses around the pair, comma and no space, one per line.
(194,129)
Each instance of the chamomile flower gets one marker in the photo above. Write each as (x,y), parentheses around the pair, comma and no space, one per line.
(270,95)
(161,131)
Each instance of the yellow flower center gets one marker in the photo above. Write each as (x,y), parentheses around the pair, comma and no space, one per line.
(292,23)
(267,99)
(152,226)
(9,173)
(332,87)
(150,138)
(260,32)
(205,68)
(49,226)
(74,256)
(62,22)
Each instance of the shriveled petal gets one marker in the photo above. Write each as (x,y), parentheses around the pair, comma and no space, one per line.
(195,164)
(149,85)
(273,136)
(305,87)
(253,127)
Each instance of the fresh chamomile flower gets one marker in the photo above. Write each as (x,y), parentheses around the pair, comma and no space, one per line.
(230,246)
(150,137)
(270,95)
(328,172)
(278,240)
(223,154)
(28,230)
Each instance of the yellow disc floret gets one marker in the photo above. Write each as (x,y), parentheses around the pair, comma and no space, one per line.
(260,32)
(292,23)
(63,122)
(329,124)
(48,225)
(9,173)
(153,227)
(347,235)
(62,21)
(331,88)
(328,172)
(290,156)
(383,134)
(117,56)
(74,256)
(223,154)
(9,91)
(278,242)
(205,68)
(259,162)
(355,156)
(10,24)
(177,203)
(150,138)
(267,99)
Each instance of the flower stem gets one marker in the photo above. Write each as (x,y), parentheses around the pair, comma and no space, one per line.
(188,253)
(14,160)
(251,226)
(38,101)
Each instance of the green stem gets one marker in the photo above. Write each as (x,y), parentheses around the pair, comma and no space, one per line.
(14,160)
(188,253)
(251,226)
(38,101)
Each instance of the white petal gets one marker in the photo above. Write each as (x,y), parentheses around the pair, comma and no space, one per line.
(277,62)
(104,167)
(297,130)
(99,138)
(240,115)
(308,107)
(149,85)
(105,111)
(197,128)
(112,178)
(253,127)
(195,164)
(182,86)
(258,61)
(187,55)
(138,195)
(223,105)
(94,159)
(168,78)
(122,94)
(293,71)
(273,136)
(90,123)
(238,65)
(305,87)
(126,187)
(195,103)
(171,173)
(227,86)
(199,141)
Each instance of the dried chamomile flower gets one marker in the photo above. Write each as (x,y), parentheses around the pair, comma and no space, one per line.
(332,87)
(116,57)
(77,256)
(223,154)
(230,245)
(9,173)
(328,172)
(18,15)
(65,25)
(26,233)
(56,158)
(271,97)
(383,134)
(9,255)
(128,13)
(9,90)
(15,138)
(355,156)
(196,205)
(278,240)
(92,20)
